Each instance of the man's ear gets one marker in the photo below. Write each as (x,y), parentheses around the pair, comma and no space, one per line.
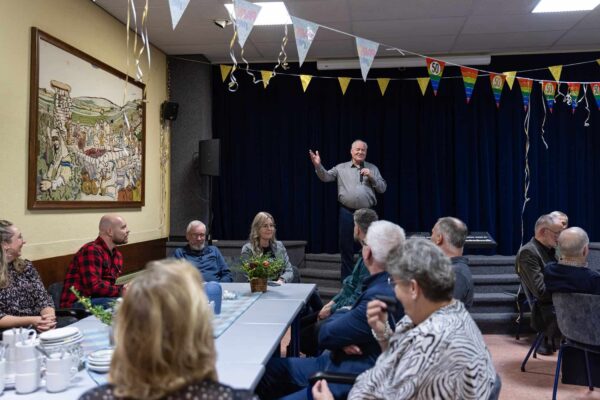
(586,250)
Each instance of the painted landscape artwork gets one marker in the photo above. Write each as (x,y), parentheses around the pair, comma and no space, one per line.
(87,132)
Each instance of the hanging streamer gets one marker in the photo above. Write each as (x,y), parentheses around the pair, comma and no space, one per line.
(586,123)
(469,77)
(544,122)
(282,56)
(527,178)
(435,69)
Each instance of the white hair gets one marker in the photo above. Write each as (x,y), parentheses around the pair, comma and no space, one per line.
(386,240)
(194,224)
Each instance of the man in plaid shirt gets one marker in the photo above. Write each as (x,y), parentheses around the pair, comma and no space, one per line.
(97,265)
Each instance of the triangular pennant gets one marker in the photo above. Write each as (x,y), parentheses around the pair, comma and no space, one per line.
(497,81)
(383,84)
(525,85)
(510,78)
(344,82)
(435,69)
(469,77)
(596,92)
(549,90)
(177,7)
(556,70)
(305,80)
(245,16)
(266,77)
(304,31)
(366,54)
(574,94)
(225,70)
(423,82)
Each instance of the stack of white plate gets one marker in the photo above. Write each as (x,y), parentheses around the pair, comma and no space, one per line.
(99,360)
(56,339)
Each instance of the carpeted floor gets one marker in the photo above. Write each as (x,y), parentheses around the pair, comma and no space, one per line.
(534,384)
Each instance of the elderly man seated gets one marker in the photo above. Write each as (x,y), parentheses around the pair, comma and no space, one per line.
(349,344)
(207,259)
(436,350)
(571,274)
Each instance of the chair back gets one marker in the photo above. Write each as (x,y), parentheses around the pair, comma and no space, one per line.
(495,393)
(578,317)
(55,290)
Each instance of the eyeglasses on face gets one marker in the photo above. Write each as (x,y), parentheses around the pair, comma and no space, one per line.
(391,282)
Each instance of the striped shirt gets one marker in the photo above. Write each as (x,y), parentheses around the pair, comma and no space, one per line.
(444,357)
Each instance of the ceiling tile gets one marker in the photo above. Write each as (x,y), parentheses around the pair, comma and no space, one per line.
(504,7)
(374,30)
(581,37)
(418,44)
(520,23)
(504,42)
(408,9)
(319,11)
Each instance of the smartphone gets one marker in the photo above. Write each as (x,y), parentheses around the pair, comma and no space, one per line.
(389,301)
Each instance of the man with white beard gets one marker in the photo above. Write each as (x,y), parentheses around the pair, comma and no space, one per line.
(208,259)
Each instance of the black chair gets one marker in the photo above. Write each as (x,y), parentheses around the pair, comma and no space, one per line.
(539,336)
(349,379)
(64,316)
(578,319)
(523,308)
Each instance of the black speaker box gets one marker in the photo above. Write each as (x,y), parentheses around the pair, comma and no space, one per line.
(208,154)
(168,110)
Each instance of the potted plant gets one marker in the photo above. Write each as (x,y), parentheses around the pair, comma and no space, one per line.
(259,269)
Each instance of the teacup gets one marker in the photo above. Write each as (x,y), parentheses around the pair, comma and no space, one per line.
(29,366)
(2,374)
(60,371)
(27,383)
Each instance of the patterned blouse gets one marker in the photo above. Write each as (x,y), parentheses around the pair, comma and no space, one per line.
(25,294)
(195,391)
(444,357)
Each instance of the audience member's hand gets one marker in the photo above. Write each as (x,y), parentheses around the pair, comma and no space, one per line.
(315,157)
(45,322)
(320,391)
(281,281)
(326,310)
(352,350)
(377,316)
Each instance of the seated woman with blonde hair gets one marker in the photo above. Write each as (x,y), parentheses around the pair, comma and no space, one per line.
(164,346)
(23,299)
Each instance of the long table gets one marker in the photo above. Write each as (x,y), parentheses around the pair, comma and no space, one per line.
(243,348)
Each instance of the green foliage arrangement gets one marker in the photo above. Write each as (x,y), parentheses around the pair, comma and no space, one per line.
(104,315)
(263,266)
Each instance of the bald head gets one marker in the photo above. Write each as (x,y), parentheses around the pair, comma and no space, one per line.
(113,229)
(573,242)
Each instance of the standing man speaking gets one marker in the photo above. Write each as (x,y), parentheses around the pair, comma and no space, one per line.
(357,182)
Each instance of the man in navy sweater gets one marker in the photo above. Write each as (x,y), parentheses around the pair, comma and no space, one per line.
(346,338)
(571,274)
(207,259)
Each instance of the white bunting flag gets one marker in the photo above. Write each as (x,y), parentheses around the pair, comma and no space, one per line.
(177,8)
(245,16)
(366,54)
(305,31)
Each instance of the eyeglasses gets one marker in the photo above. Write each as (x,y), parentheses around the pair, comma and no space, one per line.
(391,282)
(363,243)
(555,233)
(267,226)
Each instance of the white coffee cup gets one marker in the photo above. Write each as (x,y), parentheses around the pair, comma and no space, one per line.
(27,383)
(13,336)
(60,371)
(2,374)
(25,351)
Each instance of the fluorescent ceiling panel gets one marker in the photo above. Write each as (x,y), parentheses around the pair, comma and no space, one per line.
(272,13)
(545,6)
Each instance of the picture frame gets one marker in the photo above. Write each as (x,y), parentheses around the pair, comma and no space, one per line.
(87,130)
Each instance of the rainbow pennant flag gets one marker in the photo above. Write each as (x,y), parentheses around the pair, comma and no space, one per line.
(574,93)
(435,69)
(525,85)
(469,77)
(497,81)
(596,91)
(549,90)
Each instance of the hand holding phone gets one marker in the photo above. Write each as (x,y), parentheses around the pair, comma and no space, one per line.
(389,301)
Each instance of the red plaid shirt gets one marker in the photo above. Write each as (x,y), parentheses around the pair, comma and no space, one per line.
(93,273)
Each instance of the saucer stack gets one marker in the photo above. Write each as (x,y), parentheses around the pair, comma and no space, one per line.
(61,338)
(99,361)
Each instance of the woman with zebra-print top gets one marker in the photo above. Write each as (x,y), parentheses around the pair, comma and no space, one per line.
(436,350)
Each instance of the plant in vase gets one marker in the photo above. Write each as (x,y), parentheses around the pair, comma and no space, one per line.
(104,315)
(260,268)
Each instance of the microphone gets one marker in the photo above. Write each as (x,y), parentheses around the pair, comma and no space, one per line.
(361,165)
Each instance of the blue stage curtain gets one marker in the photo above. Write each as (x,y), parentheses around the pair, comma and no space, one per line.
(439,155)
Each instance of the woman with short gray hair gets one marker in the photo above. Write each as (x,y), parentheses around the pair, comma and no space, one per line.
(436,350)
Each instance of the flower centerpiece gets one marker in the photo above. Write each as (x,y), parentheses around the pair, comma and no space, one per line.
(260,268)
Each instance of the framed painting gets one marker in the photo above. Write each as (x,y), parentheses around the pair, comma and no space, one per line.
(87,130)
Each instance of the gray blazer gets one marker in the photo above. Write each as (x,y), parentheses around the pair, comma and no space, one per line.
(279,251)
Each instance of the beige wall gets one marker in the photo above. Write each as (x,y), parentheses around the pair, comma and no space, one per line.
(87,27)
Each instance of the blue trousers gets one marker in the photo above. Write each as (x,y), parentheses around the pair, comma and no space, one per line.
(287,378)
(346,241)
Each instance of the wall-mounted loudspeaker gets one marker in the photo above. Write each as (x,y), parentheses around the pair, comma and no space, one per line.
(168,110)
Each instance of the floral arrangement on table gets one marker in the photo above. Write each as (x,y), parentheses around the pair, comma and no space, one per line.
(104,315)
(262,266)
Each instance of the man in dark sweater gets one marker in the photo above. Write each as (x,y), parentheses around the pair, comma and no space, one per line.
(207,259)
(571,273)
(449,234)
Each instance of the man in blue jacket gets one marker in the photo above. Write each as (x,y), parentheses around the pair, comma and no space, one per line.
(207,259)
(347,340)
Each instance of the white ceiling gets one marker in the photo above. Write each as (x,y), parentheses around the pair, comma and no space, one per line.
(430,27)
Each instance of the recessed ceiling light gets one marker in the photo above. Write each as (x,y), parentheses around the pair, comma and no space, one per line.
(545,6)
(271,13)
